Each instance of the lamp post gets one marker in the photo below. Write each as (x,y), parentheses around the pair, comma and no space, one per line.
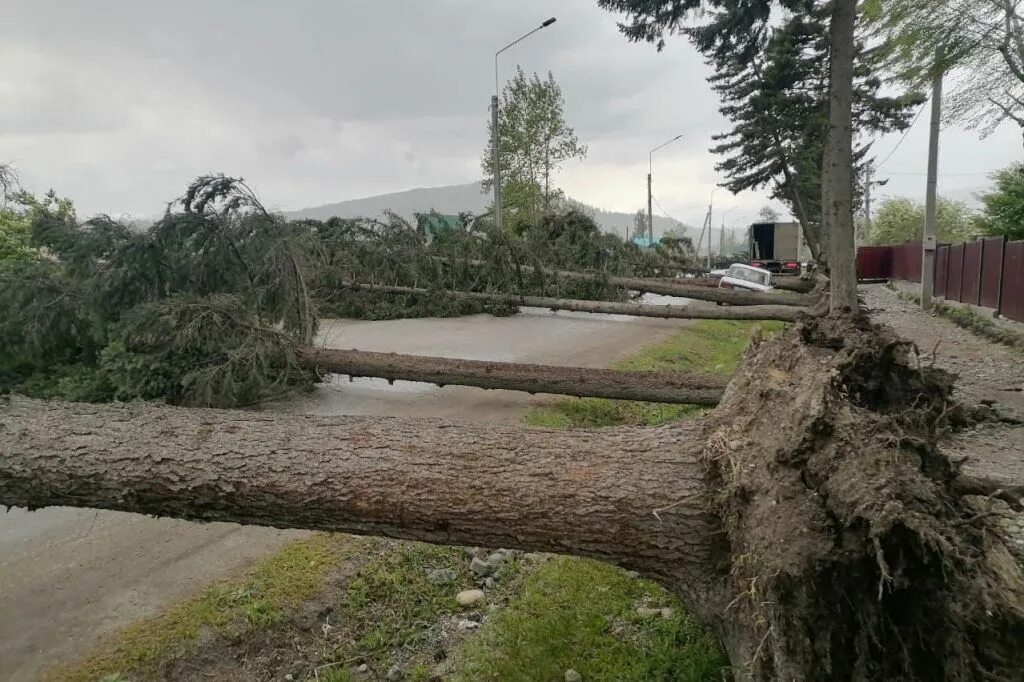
(650,169)
(495,148)
(711,204)
(721,235)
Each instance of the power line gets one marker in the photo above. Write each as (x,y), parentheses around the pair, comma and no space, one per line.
(940,174)
(905,133)
(666,212)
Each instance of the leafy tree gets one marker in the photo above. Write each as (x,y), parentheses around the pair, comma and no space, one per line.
(640,223)
(900,220)
(768,214)
(980,41)
(1003,208)
(535,141)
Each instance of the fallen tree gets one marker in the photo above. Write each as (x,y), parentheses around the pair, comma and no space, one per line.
(655,387)
(672,288)
(810,519)
(679,312)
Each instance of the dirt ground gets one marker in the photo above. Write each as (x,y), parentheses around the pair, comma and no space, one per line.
(987,372)
(71,577)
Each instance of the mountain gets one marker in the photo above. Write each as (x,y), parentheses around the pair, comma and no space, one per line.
(452,199)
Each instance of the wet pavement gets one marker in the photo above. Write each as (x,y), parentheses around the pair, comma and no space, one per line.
(71,577)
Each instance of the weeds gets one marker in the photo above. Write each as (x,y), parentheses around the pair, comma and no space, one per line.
(706,347)
(582,614)
(278,584)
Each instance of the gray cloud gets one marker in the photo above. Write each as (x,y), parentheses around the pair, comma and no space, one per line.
(119,103)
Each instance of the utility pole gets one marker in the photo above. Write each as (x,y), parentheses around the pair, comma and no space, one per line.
(928,244)
(650,170)
(721,235)
(650,213)
(711,204)
(496,161)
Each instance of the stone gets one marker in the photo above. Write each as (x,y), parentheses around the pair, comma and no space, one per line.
(469,597)
(667,613)
(633,574)
(645,612)
(363,668)
(480,568)
(289,677)
(442,576)
(466,624)
(394,673)
(489,583)
(573,676)
(496,559)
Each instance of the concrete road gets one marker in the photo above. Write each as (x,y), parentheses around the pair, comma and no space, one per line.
(71,577)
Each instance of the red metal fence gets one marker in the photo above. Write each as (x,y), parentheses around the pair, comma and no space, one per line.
(987,272)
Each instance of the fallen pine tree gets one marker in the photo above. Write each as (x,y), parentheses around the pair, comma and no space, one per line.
(810,519)
(665,287)
(655,387)
(680,312)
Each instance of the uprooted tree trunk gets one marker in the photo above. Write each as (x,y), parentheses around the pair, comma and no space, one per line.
(670,288)
(583,382)
(810,519)
(800,285)
(782,313)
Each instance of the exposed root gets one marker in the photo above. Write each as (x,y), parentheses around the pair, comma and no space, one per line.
(870,559)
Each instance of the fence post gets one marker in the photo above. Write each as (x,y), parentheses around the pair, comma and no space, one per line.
(1002,269)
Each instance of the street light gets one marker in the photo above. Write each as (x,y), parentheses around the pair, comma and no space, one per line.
(650,168)
(711,205)
(495,150)
(721,235)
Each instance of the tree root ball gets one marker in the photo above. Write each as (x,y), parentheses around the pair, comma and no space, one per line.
(853,555)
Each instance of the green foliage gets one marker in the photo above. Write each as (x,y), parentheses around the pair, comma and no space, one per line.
(392,604)
(392,252)
(19,210)
(1003,212)
(582,614)
(900,220)
(535,141)
(199,351)
(980,41)
(775,91)
(203,308)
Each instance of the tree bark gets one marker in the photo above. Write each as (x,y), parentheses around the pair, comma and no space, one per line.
(679,312)
(655,387)
(591,493)
(810,519)
(699,293)
(837,171)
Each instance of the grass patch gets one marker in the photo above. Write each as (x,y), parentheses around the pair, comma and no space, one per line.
(393,612)
(706,347)
(582,614)
(276,585)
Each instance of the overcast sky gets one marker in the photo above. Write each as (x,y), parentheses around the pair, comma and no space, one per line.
(120,103)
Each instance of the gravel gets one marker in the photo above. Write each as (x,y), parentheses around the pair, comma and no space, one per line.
(987,373)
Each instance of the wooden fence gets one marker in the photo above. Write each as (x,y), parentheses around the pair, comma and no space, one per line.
(987,272)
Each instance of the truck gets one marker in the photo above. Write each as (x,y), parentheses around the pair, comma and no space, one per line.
(778,247)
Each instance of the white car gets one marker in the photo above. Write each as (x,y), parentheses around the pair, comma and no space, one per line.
(740,276)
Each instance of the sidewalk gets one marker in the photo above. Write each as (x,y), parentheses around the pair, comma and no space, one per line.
(987,371)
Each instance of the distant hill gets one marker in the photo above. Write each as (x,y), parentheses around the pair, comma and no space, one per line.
(454,199)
